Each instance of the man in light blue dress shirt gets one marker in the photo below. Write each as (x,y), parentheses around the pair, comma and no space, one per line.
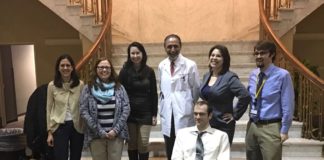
(271,108)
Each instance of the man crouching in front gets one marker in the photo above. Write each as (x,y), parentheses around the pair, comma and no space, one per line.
(201,141)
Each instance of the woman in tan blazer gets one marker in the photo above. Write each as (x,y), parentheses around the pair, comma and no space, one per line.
(62,111)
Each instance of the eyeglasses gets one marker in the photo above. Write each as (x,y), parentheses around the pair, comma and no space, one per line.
(261,53)
(101,68)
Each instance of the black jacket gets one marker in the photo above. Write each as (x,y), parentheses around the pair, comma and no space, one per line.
(142,93)
(35,122)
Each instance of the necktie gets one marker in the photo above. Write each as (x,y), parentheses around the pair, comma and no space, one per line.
(199,147)
(172,68)
(259,95)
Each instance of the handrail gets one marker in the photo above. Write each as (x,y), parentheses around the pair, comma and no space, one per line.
(101,38)
(294,61)
(272,7)
(309,88)
(92,7)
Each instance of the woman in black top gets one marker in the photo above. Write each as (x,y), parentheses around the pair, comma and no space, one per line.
(140,83)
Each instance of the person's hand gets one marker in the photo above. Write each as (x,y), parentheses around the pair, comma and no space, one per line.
(50,139)
(111,134)
(154,121)
(228,117)
(284,137)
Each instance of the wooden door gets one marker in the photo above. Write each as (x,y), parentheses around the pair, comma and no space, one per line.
(9,94)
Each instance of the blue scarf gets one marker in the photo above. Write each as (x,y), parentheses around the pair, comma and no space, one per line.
(106,95)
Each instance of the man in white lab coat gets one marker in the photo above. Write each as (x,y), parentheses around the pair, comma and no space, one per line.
(179,84)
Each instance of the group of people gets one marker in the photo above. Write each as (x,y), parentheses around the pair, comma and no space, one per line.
(112,108)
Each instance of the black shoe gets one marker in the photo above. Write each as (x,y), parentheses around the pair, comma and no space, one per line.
(133,154)
(144,156)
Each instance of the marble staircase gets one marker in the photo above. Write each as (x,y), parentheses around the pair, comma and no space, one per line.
(72,14)
(288,18)
(242,62)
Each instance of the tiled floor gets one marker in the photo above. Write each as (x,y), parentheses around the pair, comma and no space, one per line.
(126,158)
(85,156)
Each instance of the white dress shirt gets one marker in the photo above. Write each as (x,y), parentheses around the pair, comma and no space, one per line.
(216,144)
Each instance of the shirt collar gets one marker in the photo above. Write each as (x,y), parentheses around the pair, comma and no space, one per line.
(66,86)
(268,70)
(207,130)
(178,60)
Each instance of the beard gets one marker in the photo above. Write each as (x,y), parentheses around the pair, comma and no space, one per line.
(260,65)
(173,57)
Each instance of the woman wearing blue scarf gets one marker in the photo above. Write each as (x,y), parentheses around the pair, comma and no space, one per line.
(104,106)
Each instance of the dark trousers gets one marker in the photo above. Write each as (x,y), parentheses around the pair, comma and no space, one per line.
(228,128)
(169,141)
(46,153)
(66,139)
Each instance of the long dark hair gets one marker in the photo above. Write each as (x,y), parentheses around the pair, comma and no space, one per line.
(141,48)
(226,57)
(58,81)
(112,78)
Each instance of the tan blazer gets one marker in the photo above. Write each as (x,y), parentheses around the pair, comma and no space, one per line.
(58,99)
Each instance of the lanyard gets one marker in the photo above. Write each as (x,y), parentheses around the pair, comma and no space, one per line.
(259,90)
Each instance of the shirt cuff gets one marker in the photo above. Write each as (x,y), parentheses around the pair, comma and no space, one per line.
(284,130)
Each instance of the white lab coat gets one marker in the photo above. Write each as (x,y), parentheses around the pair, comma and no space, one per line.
(178,93)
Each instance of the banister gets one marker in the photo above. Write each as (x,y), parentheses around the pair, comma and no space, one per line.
(106,27)
(309,88)
(294,61)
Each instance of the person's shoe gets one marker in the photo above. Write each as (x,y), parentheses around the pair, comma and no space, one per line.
(144,156)
(133,154)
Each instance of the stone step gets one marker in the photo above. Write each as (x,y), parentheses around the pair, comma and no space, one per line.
(296,148)
(72,14)
(287,158)
(190,47)
(288,18)
(198,57)
(292,148)
(242,70)
(242,61)
(240,130)
(294,131)
(286,13)
(297,4)
(152,157)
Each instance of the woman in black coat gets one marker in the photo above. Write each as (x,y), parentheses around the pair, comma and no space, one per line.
(140,83)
